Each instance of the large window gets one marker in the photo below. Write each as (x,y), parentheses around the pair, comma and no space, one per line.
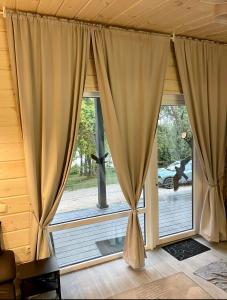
(91,219)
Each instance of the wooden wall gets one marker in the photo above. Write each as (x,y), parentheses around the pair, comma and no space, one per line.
(171,85)
(13,181)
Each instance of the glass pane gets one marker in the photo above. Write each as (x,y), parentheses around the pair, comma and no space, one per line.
(87,242)
(175,172)
(81,198)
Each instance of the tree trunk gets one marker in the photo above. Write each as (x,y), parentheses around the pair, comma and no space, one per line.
(89,166)
(81,164)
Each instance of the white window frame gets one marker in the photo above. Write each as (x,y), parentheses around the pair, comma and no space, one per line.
(95,220)
(151,189)
(150,210)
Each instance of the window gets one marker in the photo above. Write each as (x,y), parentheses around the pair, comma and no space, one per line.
(91,219)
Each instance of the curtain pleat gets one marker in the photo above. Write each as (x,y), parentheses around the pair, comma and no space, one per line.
(203,72)
(130,69)
(48,58)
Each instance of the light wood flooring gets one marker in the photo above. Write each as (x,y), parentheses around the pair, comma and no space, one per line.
(109,279)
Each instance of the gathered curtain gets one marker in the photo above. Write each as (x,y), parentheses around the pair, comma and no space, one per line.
(48,59)
(130,69)
(203,72)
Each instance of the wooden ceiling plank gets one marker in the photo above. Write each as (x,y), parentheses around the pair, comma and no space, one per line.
(49,7)
(70,8)
(183,20)
(186,13)
(27,5)
(103,12)
(220,37)
(11,4)
(214,28)
(185,17)
(194,24)
(207,29)
(166,19)
(217,33)
(146,17)
(93,9)
(114,9)
(134,10)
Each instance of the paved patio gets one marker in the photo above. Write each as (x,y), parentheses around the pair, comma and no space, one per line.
(82,243)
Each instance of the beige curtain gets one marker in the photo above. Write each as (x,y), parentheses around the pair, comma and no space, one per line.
(130,69)
(203,72)
(48,58)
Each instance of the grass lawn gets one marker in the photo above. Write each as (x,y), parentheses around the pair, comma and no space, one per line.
(76,182)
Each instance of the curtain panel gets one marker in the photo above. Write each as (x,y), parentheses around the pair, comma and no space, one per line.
(130,69)
(48,58)
(203,72)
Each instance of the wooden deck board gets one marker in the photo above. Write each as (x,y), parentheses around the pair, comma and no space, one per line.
(79,244)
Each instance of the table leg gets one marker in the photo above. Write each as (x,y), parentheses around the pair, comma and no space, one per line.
(22,297)
(59,285)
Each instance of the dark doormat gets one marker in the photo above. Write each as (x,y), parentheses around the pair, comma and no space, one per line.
(185,249)
(110,246)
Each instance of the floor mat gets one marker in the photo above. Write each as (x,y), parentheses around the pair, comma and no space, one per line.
(215,273)
(110,246)
(185,249)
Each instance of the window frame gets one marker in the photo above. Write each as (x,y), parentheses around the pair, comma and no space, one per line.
(150,208)
(94,220)
(152,189)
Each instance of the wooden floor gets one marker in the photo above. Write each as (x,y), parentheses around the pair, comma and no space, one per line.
(106,280)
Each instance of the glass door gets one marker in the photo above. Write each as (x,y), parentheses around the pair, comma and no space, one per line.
(172,175)
(175,170)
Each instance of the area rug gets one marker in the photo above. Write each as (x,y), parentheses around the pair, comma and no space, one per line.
(110,246)
(215,273)
(177,286)
(185,249)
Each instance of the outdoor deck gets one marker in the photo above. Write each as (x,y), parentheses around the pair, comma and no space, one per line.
(92,241)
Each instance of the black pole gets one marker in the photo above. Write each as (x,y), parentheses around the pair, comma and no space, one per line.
(100,150)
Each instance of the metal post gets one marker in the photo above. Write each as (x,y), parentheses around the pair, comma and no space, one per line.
(100,150)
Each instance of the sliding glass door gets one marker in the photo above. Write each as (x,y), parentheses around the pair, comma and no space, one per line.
(172,174)
(175,170)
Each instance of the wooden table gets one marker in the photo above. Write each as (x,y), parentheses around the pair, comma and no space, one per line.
(39,276)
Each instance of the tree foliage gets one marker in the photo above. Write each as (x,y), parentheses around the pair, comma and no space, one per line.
(86,138)
(173,121)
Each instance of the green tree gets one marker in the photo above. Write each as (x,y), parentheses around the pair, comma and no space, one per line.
(173,121)
(86,138)
(164,153)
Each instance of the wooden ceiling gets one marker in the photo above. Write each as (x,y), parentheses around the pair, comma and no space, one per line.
(198,18)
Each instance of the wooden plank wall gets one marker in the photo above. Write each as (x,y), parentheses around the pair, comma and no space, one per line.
(171,85)
(13,181)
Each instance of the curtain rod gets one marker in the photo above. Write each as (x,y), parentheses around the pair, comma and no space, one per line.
(172,37)
(3,12)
